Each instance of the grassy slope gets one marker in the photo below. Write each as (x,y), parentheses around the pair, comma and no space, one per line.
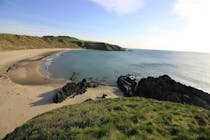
(16,42)
(124,118)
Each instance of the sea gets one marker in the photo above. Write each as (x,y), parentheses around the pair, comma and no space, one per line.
(192,69)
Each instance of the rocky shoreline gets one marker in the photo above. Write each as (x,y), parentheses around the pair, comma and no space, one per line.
(164,88)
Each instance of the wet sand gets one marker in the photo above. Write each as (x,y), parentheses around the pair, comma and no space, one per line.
(26,93)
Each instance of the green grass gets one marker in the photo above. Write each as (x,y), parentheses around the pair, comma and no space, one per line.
(119,119)
(17,42)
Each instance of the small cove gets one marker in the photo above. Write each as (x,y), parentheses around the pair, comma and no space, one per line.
(105,67)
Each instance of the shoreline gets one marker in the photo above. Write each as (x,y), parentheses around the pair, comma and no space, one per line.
(26,93)
(27,71)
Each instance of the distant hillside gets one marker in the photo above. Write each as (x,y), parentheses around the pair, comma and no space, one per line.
(17,42)
(119,119)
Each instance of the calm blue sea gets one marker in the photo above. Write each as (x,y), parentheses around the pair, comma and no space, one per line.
(192,69)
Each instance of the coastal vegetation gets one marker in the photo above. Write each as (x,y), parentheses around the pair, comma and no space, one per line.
(17,42)
(122,118)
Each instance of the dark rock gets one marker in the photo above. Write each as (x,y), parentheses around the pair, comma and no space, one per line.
(102,97)
(11,68)
(117,108)
(59,97)
(165,88)
(73,76)
(127,84)
(92,84)
(88,100)
(71,90)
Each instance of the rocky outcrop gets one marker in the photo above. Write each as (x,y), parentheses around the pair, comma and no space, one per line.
(72,89)
(102,97)
(98,46)
(165,88)
(127,84)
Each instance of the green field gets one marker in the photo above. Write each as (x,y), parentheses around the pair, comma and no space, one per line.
(17,42)
(119,119)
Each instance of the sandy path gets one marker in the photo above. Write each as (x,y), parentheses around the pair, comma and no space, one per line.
(19,103)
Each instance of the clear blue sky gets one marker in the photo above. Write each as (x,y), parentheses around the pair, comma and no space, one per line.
(130,23)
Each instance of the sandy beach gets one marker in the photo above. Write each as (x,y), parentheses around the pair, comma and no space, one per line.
(26,93)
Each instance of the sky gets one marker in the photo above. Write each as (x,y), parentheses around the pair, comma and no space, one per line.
(181,25)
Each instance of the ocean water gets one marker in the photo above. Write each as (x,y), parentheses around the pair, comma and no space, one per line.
(192,69)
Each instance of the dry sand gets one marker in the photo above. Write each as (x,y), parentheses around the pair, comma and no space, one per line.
(25,93)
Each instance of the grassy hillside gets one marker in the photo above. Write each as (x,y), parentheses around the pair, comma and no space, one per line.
(16,42)
(119,119)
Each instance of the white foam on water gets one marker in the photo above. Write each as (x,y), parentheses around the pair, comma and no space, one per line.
(44,66)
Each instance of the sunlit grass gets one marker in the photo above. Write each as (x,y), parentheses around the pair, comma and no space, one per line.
(124,118)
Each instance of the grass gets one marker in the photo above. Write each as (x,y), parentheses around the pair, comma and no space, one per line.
(17,42)
(119,119)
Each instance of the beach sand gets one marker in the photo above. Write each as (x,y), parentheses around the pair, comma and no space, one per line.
(26,93)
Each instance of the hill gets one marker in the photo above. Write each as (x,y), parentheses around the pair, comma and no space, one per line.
(122,118)
(17,42)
